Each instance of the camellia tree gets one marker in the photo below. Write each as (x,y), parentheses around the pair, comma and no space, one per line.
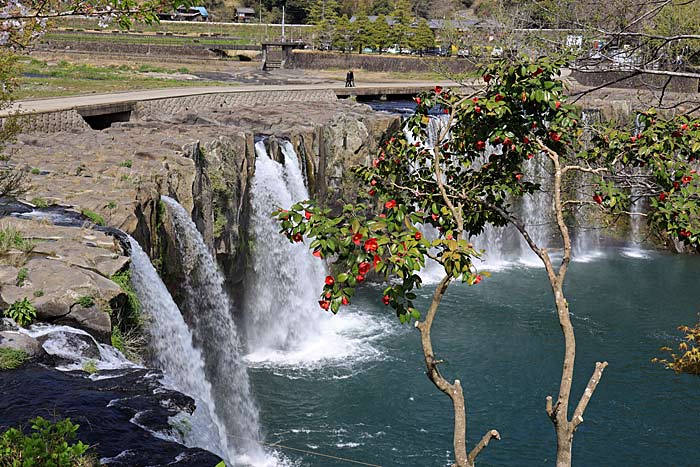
(468,175)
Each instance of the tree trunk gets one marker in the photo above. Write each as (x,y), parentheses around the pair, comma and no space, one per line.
(565,438)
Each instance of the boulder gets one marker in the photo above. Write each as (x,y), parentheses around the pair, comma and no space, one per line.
(18,341)
(92,320)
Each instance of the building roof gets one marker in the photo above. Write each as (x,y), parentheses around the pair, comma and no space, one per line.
(245,11)
(389,20)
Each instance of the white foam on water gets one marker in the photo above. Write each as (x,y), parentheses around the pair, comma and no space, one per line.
(285,327)
(58,343)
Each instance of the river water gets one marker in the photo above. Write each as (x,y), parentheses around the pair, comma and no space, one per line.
(368,398)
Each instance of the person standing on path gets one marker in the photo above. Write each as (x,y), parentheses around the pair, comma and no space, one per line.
(350,79)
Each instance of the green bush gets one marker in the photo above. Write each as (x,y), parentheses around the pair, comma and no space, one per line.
(22,275)
(39,202)
(49,445)
(35,171)
(22,311)
(90,367)
(9,360)
(93,216)
(11,238)
(126,163)
(86,301)
(39,293)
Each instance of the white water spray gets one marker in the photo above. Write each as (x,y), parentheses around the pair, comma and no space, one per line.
(210,313)
(175,354)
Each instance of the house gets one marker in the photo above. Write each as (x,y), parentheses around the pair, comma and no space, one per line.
(195,13)
(245,15)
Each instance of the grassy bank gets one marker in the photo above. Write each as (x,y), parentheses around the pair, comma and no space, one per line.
(51,79)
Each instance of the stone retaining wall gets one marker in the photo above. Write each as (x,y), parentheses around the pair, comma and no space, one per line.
(643,81)
(70,120)
(149,109)
(311,60)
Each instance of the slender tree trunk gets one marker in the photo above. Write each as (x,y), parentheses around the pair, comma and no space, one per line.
(452,390)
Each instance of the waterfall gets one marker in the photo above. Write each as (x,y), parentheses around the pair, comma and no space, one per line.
(210,315)
(286,279)
(174,353)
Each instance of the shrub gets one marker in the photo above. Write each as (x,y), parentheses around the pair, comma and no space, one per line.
(22,275)
(11,238)
(11,359)
(90,367)
(39,293)
(111,205)
(22,311)
(35,171)
(93,216)
(39,202)
(49,445)
(126,163)
(86,301)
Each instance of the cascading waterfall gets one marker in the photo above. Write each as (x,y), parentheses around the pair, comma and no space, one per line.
(214,332)
(286,279)
(536,208)
(175,354)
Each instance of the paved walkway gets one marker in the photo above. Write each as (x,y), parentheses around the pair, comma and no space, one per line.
(73,102)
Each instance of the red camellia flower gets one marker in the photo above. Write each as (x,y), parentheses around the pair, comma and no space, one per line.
(417,235)
(498,98)
(537,72)
(357,238)
(386,299)
(434,216)
(438,89)
(507,142)
(597,198)
(446,111)
(417,99)
(297,237)
(518,176)
(554,135)
(372,192)
(328,295)
(477,109)
(329,280)
(684,233)
(526,140)
(392,139)
(382,215)
(530,156)
(480,145)
(477,279)
(363,268)
(375,163)
(377,260)
(324,304)
(345,301)
(307,214)
(317,254)
(371,245)
(662,196)
(684,126)
(557,104)
(475,100)
(686,179)
(676,185)
(359,278)
(497,140)
(487,77)
(373,182)
(391,204)
(633,139)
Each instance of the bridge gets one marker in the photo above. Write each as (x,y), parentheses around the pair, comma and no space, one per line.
(99,111)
